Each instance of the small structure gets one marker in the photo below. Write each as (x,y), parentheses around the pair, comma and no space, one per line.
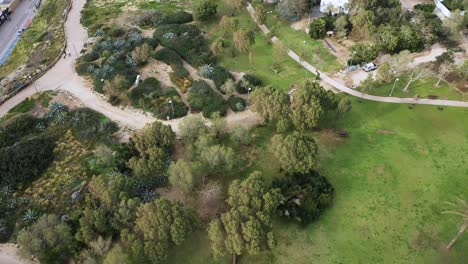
(334,6)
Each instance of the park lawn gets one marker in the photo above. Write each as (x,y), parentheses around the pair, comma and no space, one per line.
(313,51)
(262,56)
(392,177)
(424,88)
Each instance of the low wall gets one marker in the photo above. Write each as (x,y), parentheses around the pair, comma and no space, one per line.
(443,9)
(52,64)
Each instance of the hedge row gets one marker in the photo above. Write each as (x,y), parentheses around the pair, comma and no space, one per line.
(202,98)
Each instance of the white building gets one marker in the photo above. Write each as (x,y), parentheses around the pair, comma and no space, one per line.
(334,6)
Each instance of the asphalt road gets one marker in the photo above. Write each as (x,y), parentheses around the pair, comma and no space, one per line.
(23,13)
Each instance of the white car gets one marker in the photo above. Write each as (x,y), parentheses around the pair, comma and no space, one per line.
(369,67)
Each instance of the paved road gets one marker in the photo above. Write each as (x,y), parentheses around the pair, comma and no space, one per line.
(341,87)
(23,13)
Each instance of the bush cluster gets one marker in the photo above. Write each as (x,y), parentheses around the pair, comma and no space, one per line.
(202,98)
(237,104)
(150,96)
(173,59)
(159,18)
(187,41)
(247,81)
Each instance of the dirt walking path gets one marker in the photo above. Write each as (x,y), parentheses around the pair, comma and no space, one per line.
(64,77)
(8,255)
(338,84)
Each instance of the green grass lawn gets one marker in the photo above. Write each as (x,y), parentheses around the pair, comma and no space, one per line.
(392,177)
(263,54)
(423,88)
(313,51)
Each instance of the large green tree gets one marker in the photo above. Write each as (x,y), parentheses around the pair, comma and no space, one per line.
(296,152)
(270,103)
(158,226)
(247,226)
(309,104)
(152,144)
(49,239)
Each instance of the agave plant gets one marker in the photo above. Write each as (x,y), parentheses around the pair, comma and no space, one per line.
(148,196)
(135,38)
(30,215)
(130,62)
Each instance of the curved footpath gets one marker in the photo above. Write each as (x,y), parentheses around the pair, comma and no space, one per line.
(339,86)
(63,76)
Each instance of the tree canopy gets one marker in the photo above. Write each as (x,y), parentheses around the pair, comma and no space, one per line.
(296,152)
(247,226)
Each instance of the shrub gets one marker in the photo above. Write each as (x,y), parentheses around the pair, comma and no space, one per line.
(165,18)
(168,56)
(252,80)
(187,41)
(147,90)
(180,71)
(202,98)
(206,71)
(24,161)
(428,8)
(220,76)
(317,28)
(237,104)
(90,57)
(16,128)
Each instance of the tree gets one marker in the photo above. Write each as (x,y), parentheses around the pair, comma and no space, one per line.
(388,38)
(342,26)
(363,22)
(309,104)
(462,70)
(411,39)
(270,103)
(152,143)
(416,74)
(241,134)
(444,69)
(159,225)
(229,24)
(218,159)
(296,152)
(454,25)
(247,226)
(116,255)
(459,208)
(306,196)
(385,72)
(237,5)
(25,160)
(344,106)
(260,14)
(206,10)
(182,175)
(49,239)
(293,8)
(317,28)
(192,127)
(218,124)
(243,40)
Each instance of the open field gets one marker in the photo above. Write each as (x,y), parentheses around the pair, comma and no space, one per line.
(424,88)
(392,177)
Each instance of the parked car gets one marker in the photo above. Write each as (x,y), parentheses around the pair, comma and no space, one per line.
(369,67)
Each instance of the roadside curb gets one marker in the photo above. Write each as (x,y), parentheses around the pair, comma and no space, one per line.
(52,64)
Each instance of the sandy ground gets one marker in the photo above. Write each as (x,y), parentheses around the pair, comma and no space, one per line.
(8,255)
(409,4)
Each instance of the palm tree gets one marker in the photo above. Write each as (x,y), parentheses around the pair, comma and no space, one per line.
(460,208)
